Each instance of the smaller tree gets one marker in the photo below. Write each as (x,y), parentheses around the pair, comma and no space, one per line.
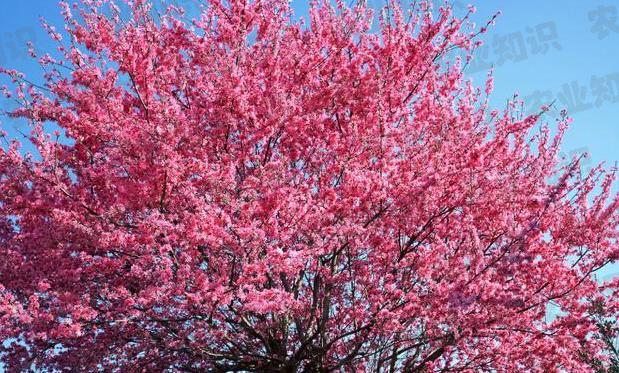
(604,314)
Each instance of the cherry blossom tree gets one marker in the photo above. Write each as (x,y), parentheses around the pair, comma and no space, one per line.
(243,191)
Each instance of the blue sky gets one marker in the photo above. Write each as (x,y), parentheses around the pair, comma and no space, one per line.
(545,50)
(580,67)
(566,51)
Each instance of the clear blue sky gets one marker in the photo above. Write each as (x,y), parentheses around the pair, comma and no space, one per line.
(545,50)
(566,51)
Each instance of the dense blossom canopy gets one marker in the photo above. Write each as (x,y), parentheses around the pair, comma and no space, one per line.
(242,191)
